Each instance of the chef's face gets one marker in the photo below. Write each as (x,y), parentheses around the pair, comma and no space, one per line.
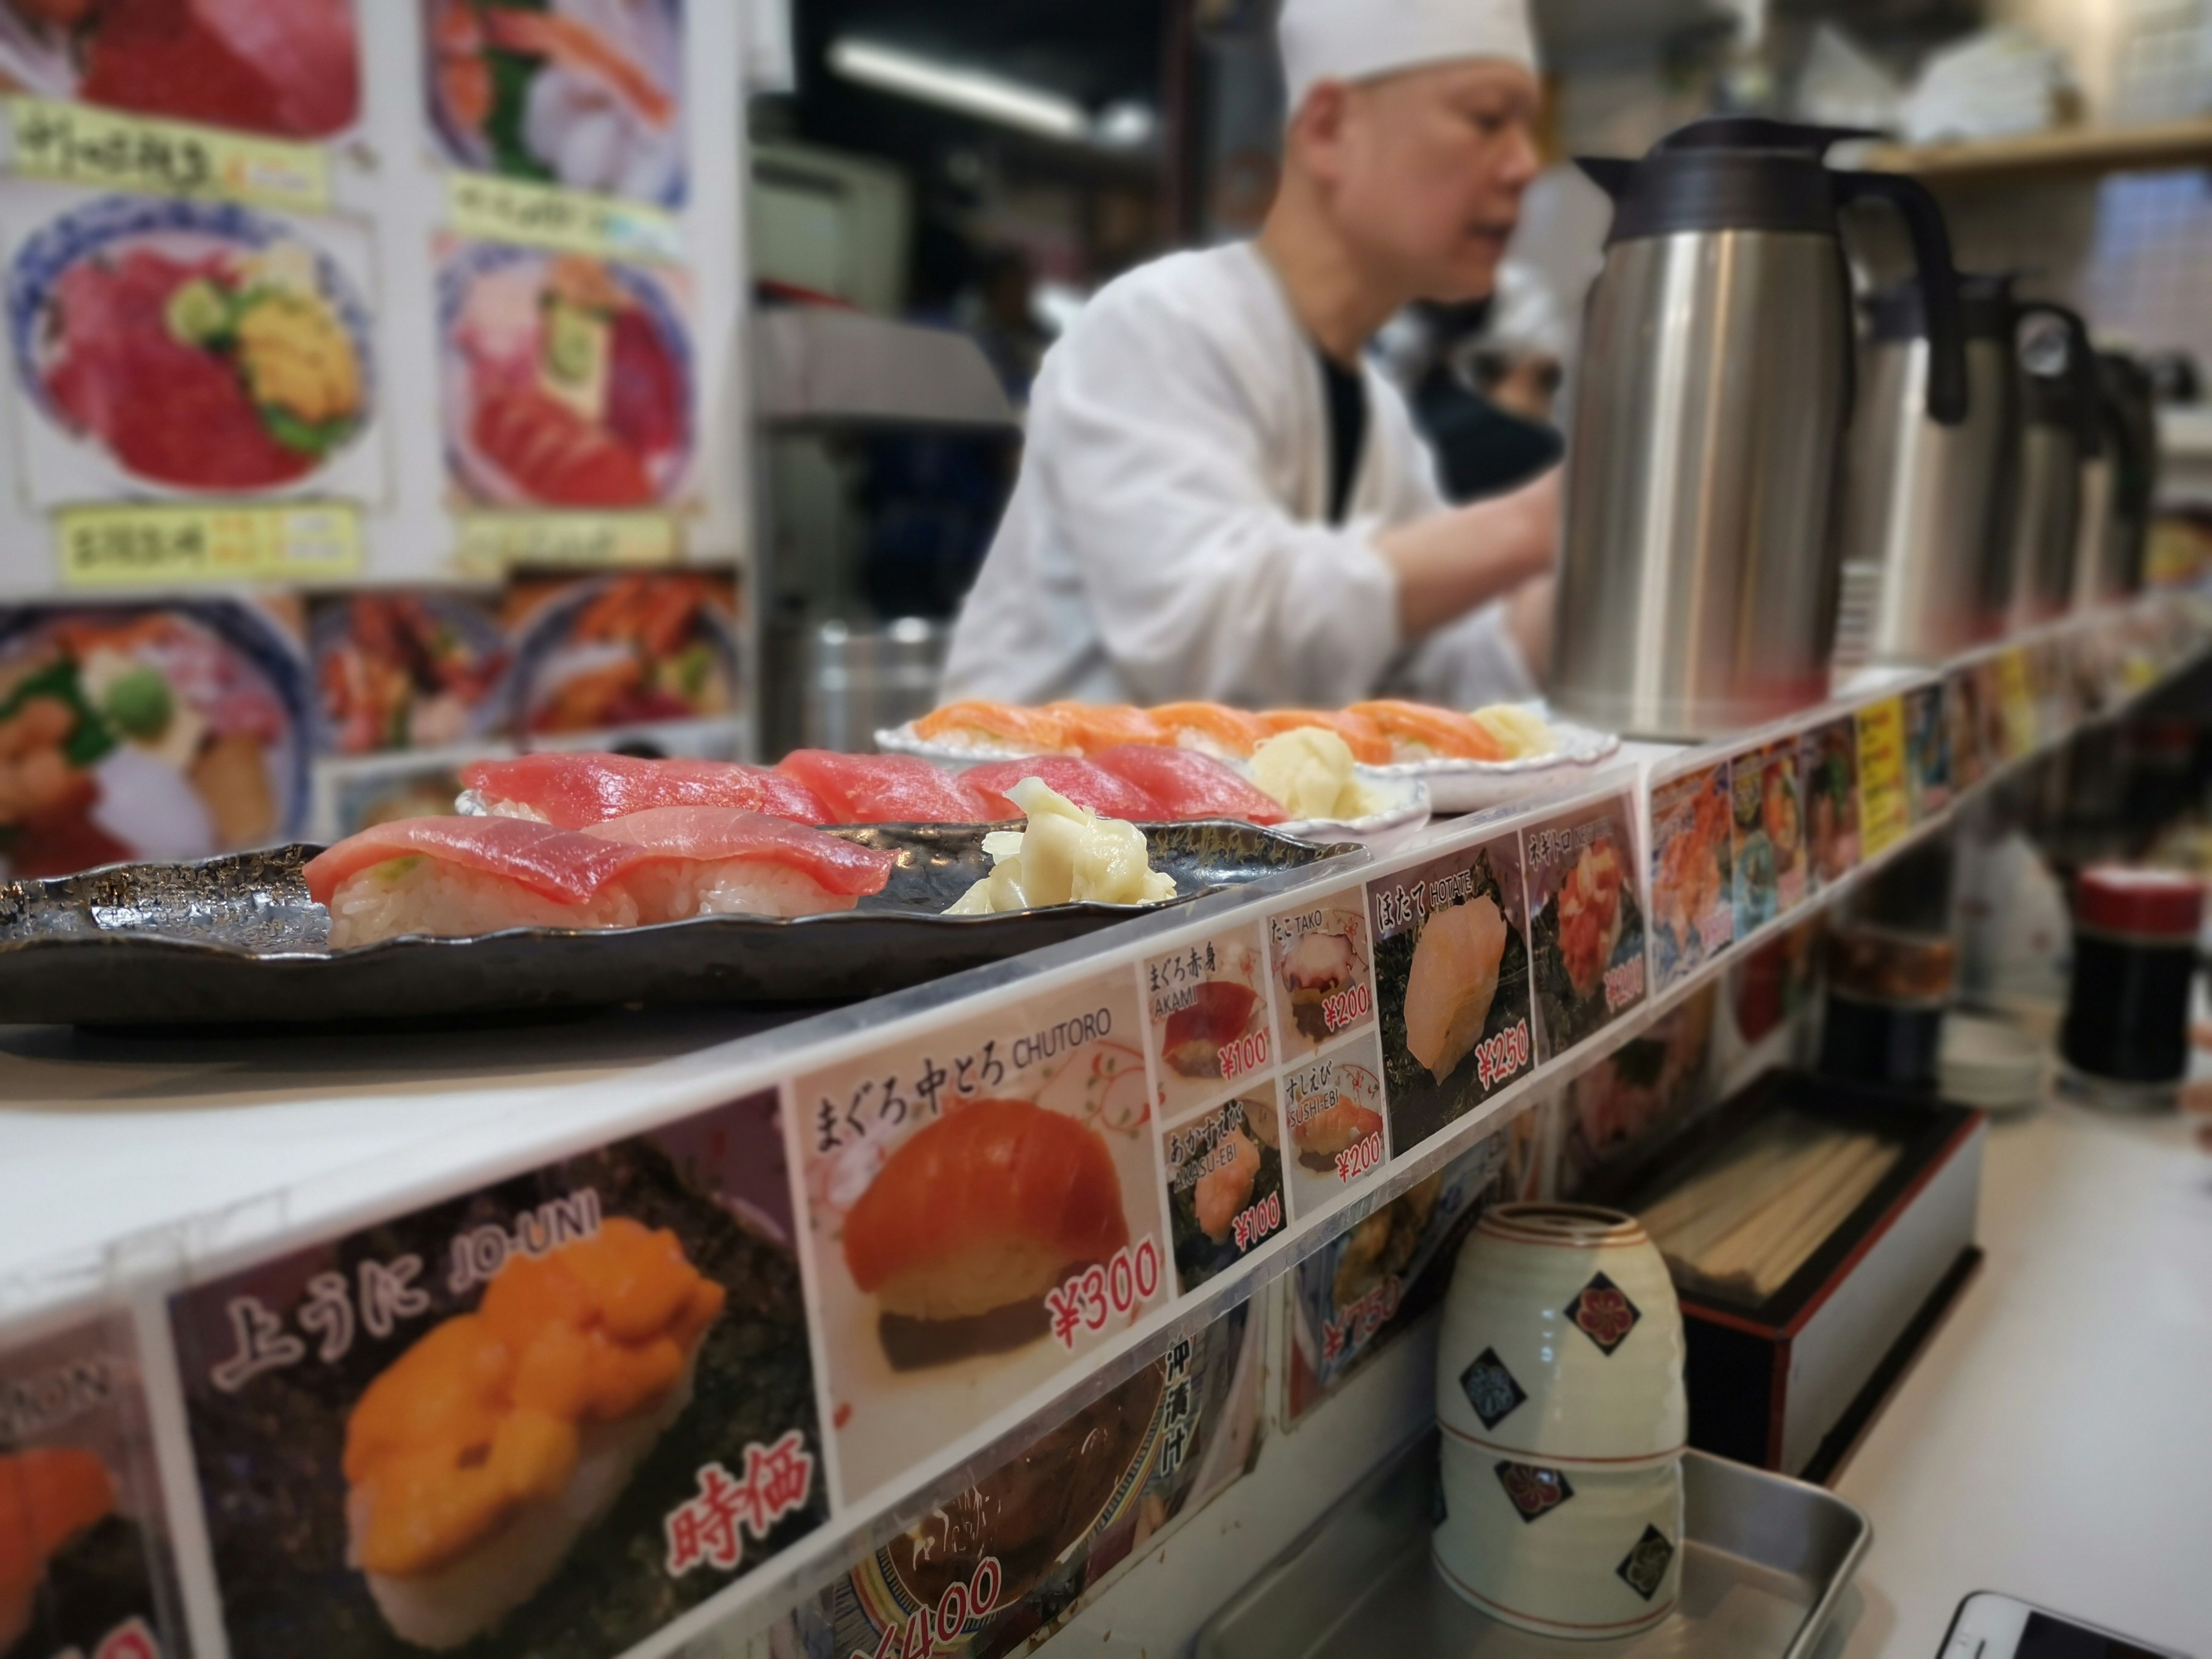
(1425,169)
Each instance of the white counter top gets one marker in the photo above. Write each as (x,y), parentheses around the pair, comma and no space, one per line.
(2054,1440)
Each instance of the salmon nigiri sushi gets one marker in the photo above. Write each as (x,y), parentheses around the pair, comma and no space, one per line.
(1091,726)
(476,1461)
(1082,782)
(1189,785)
(571,789)
(890,789)
(973,1219)
(709,861)
(1211,728)
(1366,740)
(49,1496)
(996,725)
(1418,732)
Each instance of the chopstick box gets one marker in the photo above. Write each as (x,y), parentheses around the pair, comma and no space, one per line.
(1788,1383)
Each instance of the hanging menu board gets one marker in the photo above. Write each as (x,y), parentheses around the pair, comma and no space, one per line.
(336,292)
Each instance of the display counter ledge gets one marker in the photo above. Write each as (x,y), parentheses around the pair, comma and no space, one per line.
(891,1242)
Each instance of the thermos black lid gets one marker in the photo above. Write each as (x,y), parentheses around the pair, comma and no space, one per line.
(1733,174)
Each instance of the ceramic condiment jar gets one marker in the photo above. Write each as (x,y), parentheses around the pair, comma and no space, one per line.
(1559,1394)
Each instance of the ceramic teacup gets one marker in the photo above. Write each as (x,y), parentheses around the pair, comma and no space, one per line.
(1585,1554)
(1562,1341)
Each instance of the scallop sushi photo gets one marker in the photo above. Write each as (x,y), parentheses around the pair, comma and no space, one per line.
(1451,985)
(495,1413)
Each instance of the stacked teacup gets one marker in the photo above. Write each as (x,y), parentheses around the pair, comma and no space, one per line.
(1559,1394)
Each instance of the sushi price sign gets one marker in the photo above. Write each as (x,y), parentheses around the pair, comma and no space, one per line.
(544,1418)
(1885,810)
(491,544)
(80,144)
(497,210)
(982,1204)
(118,547)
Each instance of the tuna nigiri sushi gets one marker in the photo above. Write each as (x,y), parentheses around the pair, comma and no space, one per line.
(463,876)
(891,789)
(1082,782)
(1418,732)
(1189,785)
(571,789)
(49,1496)
(459,877)
(709,861)
(1369,745)
(1091,726)
(477,1459)
(973,1219)
(993,725)
(1211,728)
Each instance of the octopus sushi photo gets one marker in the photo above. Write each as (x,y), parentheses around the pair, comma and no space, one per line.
(1451,988)
(1322,974)
(972,1220)
(1224,1186)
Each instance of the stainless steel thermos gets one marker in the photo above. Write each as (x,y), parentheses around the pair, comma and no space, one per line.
(1699,578)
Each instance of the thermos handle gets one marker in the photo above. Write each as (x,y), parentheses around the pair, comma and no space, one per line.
(2081,373)
(1939,284)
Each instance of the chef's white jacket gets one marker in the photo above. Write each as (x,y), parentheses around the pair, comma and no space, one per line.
(1168,538)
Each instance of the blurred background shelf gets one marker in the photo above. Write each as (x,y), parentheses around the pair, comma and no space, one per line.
(2152,148)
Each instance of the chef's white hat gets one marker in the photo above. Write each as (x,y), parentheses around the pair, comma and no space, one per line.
(1359,40)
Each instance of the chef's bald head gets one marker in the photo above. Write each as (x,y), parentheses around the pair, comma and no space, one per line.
(1355,40)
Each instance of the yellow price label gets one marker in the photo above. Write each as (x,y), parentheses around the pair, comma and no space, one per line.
(80,145)
(494,541)
(572,220)
(2016,700)
(160,546)
(1885,813)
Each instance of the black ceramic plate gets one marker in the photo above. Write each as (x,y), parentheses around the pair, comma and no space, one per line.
(236,940)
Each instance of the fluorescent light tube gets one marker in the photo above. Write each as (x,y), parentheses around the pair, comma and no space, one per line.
(973,92)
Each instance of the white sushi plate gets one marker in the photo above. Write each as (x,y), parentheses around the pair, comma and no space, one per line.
(1454,786)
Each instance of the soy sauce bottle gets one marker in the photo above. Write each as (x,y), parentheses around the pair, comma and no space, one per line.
(2125,1041)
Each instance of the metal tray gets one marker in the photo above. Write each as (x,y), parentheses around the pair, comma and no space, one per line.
(1767,1560)
(236,940)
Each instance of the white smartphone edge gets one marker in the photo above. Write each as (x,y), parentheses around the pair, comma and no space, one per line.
(1989,1624)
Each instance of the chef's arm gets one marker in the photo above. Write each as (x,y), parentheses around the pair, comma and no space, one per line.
(1451,561)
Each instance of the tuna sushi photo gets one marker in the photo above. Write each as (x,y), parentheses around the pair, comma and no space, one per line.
(50,1497)
(478,1458)
(288,70)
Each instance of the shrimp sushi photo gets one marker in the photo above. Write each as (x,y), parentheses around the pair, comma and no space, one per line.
(475,1461)
(1224,1186)
(972,1220)
(572,788)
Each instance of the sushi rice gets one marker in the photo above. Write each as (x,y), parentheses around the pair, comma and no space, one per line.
(444,1609)
(428,897)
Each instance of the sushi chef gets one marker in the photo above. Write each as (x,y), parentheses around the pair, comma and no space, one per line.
(1220,498)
